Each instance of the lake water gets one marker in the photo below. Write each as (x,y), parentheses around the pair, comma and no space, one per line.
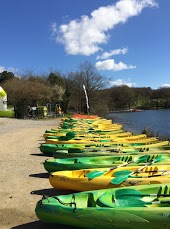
(158,121)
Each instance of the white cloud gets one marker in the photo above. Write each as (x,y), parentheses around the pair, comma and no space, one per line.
(120,82)
(54,28)
(85,36)
(165,85)
(112,66)
(106,55)
(10,69)
(2,69)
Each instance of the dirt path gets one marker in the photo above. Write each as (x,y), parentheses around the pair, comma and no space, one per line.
(22,172)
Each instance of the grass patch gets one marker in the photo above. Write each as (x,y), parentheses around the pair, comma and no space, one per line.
(7,113)
(150,133)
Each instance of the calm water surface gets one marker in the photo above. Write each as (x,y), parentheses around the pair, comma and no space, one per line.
(157,121)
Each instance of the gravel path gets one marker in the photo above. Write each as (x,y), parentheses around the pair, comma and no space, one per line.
(22,172)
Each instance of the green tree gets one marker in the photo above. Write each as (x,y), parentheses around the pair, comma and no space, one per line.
(161,96)
(66,98)
(56,78)
(5,75)
(123,97)
(142,96)
(57,84)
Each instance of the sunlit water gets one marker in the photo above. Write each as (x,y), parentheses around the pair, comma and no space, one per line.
(158,121)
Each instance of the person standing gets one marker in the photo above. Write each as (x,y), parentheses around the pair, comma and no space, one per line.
(30,112)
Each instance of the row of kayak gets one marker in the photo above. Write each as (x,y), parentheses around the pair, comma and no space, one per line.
(117,179)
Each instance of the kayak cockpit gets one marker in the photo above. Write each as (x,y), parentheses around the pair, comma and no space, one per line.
(74,201)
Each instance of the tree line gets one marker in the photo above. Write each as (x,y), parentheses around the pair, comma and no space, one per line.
(124,97)
(67,90)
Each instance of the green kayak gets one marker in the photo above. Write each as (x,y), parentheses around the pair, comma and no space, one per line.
(77,163)
(72,135)
(92,152)
(142,207)
(50,149)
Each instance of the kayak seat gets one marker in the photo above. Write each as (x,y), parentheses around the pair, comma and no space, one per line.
(106,200)
(86,200)
(75,201)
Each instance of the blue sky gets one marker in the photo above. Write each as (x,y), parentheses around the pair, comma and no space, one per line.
(128,41)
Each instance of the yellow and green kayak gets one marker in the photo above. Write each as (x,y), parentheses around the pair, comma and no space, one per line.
(126,137)
(84,132)
(102,178)
(126,140)
(91,135)
(110,127)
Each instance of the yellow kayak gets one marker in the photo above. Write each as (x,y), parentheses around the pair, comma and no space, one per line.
(118,137)
(110,178)
(111,141)
(92,135)
(109,129)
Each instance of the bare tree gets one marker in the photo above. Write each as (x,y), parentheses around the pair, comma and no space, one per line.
(93,82)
